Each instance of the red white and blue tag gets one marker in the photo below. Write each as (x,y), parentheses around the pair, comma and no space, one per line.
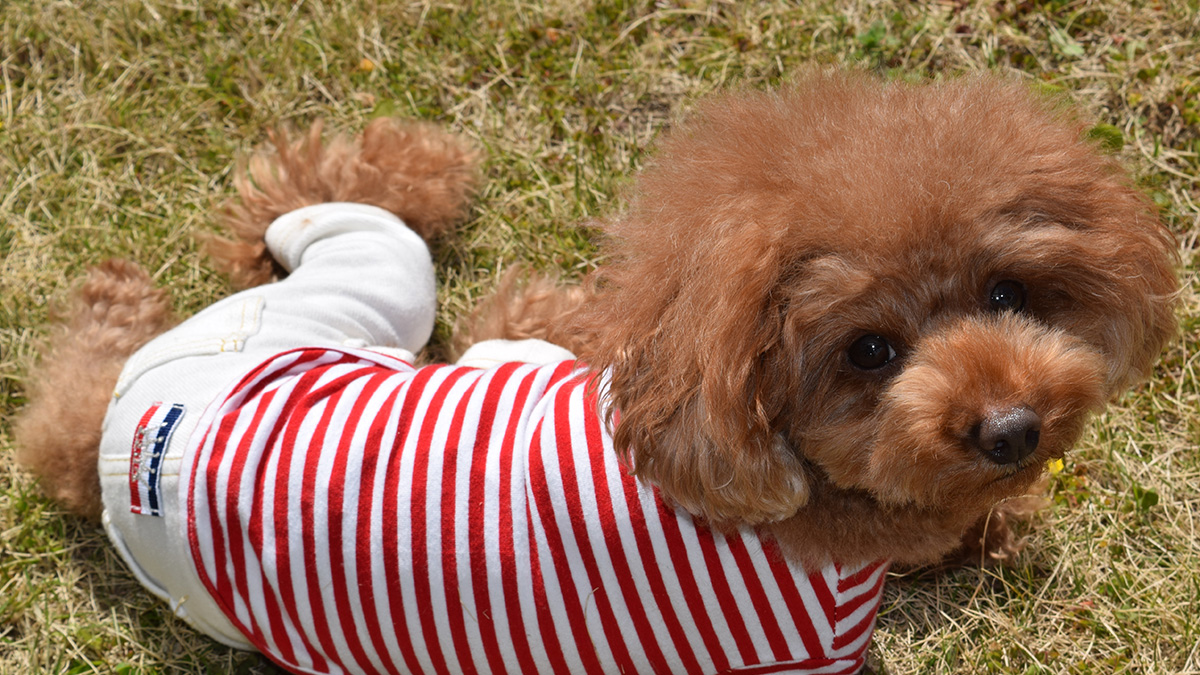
(146,458)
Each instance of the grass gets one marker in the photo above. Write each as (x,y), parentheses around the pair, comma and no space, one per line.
(120,122)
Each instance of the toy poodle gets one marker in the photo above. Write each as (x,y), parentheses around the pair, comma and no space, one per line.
(836,326)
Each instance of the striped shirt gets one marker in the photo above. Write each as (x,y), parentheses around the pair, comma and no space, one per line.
(353,514)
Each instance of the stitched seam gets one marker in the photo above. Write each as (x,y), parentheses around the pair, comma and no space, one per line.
(231,342)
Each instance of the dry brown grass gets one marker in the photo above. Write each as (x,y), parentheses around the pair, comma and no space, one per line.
(120,122)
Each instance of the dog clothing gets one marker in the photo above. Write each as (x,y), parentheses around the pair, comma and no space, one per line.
(341,510)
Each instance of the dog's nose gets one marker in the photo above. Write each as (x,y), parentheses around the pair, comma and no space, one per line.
(1010,435)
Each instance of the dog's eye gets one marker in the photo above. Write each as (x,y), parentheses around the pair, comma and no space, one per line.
(1007,296)
(870,352)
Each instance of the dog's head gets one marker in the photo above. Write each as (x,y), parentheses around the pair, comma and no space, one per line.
(916,292)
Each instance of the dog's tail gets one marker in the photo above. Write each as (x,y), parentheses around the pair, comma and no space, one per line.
(114,312)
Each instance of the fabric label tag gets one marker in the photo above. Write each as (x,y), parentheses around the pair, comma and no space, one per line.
(145,460)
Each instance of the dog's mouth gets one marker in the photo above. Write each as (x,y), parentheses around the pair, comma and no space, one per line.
(1014,472)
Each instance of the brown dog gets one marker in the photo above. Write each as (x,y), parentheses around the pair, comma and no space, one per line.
(853,317)
(862,315)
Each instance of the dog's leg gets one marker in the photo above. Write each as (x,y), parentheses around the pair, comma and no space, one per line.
(415,171)
(418,172)
(524,306)
(112,314)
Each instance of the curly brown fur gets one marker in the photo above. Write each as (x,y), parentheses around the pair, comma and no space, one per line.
(113,313)
(523,306)
(773,231)
(423,175)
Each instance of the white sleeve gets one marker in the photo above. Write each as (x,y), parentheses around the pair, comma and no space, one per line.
(491,353)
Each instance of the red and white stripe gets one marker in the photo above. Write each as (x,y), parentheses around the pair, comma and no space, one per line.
(353,514)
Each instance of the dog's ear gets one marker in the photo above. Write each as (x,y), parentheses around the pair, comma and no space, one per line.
(1115,257)
(1138,259)
(694,380)
(688,322)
